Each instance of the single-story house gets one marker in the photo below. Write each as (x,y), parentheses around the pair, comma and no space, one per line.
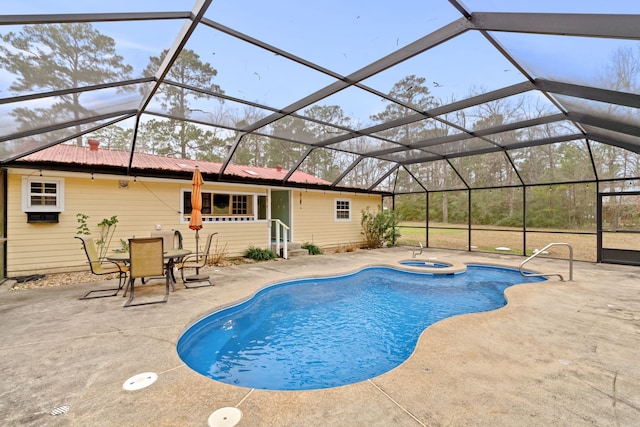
(45,191)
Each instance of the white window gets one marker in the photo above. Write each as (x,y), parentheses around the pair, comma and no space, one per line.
(223,206)
(42,194)
(343,210)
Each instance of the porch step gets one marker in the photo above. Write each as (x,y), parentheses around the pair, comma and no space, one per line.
(297,252)
(293,249)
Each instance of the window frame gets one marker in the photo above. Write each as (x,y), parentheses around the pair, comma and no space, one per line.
(250,203)
(27,206)
(337,209)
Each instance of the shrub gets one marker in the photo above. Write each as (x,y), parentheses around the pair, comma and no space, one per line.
(259,254)
(352,247)
(349,247)
(313,249)
(124,247)
(379,228)
(107,228)
(218,254)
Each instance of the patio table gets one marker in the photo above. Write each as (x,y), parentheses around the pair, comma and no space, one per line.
(170,256)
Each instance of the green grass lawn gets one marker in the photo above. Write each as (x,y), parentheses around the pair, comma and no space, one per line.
(488,240)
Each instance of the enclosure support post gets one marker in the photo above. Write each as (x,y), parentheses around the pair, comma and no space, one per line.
(469,220)
(524,220)
(426,220)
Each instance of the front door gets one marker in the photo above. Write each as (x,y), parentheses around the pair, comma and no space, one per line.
(280,209)
(619,228)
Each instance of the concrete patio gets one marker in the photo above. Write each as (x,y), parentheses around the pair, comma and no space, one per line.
(560,353)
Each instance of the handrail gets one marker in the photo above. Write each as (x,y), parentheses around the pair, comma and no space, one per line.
(285,229)
(550,274)
(415,248)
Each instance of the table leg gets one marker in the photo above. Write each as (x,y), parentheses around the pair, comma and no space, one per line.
(169,266)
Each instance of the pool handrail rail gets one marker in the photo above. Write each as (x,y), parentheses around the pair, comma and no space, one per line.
(535,254)
(416,248)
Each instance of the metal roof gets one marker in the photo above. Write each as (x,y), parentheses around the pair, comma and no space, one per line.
(377,97)
(96,159)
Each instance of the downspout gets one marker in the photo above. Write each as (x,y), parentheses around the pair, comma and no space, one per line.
(3,234)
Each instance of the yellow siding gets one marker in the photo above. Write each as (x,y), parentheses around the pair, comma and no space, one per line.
(314,217)
(51,248)
(234,239)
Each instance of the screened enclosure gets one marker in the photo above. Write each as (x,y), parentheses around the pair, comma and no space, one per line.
(486,125)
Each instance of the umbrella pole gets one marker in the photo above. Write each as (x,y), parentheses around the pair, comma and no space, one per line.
(197,247)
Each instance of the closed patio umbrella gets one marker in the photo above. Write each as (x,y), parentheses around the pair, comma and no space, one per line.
(195,223)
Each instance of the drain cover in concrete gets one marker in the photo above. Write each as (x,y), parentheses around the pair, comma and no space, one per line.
(139,381)
(60,410)
(225,417)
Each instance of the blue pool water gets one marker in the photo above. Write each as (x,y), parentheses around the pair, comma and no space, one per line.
(327,332)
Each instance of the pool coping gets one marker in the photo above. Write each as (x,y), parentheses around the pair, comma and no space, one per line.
(454,267)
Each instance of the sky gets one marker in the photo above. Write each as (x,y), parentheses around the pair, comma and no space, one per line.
(344,37)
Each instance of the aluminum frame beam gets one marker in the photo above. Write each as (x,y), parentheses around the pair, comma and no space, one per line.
(566,24)
(530,143)
(605,123)
(476,134)
(425,43)
(65,125)
(65,18)
(170,58)
(589,92)
(438,111)
(617,143)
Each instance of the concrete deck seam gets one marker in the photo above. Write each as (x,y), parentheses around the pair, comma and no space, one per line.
(395,402)
(246,396)
(182,365)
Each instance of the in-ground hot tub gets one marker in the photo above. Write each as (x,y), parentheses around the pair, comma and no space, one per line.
(426,264)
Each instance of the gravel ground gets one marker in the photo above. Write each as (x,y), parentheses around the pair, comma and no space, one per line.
(59,279)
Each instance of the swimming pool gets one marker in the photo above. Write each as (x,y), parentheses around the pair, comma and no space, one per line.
(332,331)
